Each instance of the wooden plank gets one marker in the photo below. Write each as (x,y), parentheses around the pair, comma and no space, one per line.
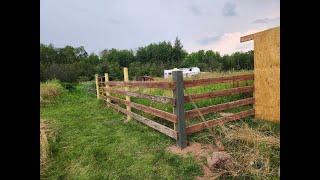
(246,38)
(97,86)
(178,94)
(219,107)
(199,82)
(126,79)
(219,121)
(160,99)
(159,127)
(156,112)
(226,92)
(106,77)
(147,84)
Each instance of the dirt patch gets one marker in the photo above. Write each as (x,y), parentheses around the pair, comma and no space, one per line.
(202,152)
(196,149)
(219,160)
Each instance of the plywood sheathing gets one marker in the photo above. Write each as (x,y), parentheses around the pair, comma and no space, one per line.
(266,73)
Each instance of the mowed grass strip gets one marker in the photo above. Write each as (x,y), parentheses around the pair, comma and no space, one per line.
(92,142)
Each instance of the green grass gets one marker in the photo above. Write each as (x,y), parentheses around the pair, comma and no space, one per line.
(92,142)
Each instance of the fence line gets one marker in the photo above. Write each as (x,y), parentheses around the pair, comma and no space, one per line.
(219,121)
(226,92)
(219,107)
(178,117)
(159,99)
(201,82)
(156,112)
(161,128)
(148,84)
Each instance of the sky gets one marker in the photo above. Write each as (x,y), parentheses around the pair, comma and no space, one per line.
(128,24)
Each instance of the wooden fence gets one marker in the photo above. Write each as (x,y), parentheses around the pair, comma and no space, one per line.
(179,116)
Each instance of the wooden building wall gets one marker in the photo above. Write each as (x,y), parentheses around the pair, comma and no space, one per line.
(267,74)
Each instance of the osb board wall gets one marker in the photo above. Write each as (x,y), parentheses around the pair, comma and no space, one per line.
(267,74)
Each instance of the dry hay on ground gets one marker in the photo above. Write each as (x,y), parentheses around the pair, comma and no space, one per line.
(243,159)
(249,156)
(44,146)
(45,134)
(251,136)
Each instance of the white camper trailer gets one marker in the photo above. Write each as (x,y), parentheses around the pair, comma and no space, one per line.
(187,72)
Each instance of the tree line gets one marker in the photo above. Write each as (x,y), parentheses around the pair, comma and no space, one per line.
(74,64)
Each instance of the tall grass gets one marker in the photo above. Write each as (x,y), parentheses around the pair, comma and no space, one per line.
(49,91)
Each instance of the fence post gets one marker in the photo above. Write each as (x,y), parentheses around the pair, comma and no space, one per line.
(126,79)
(178,94)
(106,79)
(97,86)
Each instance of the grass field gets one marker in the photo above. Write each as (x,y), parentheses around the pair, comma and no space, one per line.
(89,141)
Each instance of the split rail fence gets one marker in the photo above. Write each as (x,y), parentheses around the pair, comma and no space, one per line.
(179,116)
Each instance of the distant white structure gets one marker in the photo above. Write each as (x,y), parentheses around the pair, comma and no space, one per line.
(187,72)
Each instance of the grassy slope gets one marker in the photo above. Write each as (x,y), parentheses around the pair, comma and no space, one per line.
(92,142)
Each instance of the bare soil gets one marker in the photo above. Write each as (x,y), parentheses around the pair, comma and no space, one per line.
(201,152)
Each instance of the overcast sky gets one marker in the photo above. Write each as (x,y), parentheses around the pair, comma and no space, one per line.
(129,24)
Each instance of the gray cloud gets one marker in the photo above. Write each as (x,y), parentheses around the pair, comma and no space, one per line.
(265,20)
(195,10)
(229,9)
(209,39)
(105,24)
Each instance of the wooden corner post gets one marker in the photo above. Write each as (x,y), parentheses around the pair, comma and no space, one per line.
(126,79)
(106,77)
(178,94)
(97,86)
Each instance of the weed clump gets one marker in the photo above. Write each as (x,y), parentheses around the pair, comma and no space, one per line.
(49,91)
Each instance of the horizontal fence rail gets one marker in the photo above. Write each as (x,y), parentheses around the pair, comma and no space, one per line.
(160,99)
(219,121)
(179,115)
(146,109)
(226,92)
(201,82)
(161,128)
(148,84)
(219,107)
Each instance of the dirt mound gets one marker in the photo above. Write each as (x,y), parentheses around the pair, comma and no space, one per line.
(196,149)
(219,160)
(215,158)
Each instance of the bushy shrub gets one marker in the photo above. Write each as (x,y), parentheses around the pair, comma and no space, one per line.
(49,91)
